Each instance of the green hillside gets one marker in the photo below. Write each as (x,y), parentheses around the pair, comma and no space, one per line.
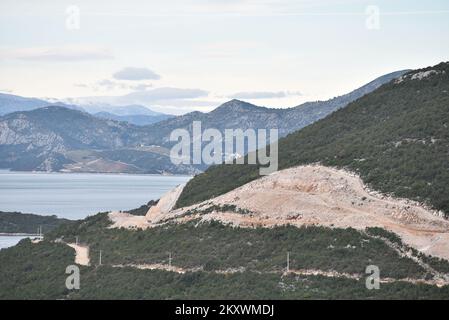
(37,271)
(214,246)
(396,138)
(17,222)
(34,271)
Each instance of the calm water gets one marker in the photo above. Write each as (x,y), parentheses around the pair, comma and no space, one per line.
(9,241)
(77,195)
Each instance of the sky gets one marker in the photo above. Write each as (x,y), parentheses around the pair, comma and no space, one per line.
(176,56)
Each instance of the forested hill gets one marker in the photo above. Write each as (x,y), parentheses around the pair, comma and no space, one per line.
(396,138)
(17,222)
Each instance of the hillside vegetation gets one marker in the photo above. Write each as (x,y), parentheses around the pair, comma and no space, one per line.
(38,270)
(34,271)
(128,283)
(214,246)
(396,138)
(17,222)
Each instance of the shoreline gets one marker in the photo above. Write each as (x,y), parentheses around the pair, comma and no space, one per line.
(18,234)
(6,170)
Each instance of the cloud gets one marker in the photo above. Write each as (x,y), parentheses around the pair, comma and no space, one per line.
(81,85)
(228,49)
(182,108)
(264,94)
(109,85)
(141,86)
(164,96)
(131,73)
(63,53)
(165,99)
(159,95)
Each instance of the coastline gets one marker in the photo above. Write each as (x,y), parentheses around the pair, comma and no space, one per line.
(18,234)
(6,170)
(74,196)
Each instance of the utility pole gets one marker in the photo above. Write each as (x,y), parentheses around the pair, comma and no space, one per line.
(39,232)
(76,240)
(169,261)
(100,258)
(288,262)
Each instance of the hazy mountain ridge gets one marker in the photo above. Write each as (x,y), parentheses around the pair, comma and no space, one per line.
(56,138)
(310,112)
(68,128)
(244,115)
(135,114)
(126,110)
(137,119)
(11,103)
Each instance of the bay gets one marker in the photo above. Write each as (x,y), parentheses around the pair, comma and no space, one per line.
(9,241)
(77,195)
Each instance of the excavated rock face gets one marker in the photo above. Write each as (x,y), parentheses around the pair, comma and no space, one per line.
(154,215)
(165,204)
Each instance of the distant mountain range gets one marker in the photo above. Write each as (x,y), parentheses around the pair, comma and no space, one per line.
(137,119)
(135,114)
(12,103)
(239,114)
(127,110)
(65,138)
(56,138)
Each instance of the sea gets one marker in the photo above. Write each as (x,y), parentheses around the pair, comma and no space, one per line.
(77,195)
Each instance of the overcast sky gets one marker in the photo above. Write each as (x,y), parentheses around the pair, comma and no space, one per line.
(182,55)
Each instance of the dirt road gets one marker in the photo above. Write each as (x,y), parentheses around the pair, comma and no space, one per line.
(82,254)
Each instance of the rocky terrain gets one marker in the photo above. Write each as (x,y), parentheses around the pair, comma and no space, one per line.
(60,139)
(137,119)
